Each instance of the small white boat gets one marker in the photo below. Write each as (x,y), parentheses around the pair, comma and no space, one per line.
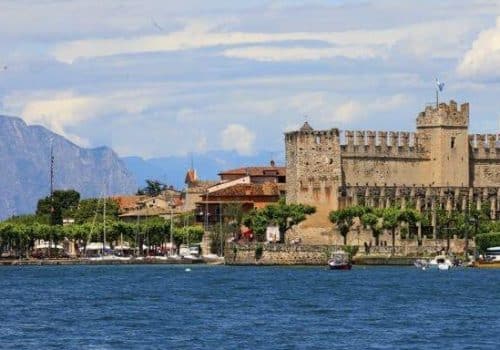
(109,258)
(440,262)
(492,254)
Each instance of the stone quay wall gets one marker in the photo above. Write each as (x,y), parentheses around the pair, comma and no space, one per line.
(302,254)
(277,254)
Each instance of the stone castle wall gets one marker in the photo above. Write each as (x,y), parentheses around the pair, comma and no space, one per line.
(440,153)
(485,160)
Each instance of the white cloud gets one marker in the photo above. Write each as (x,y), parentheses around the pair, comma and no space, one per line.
(354,110)
(239,138)
(271,53)
(59,110)
(348,111)
(483,58)
(417,39)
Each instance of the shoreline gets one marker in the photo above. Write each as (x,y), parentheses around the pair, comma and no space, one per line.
(66,262)
(362,261)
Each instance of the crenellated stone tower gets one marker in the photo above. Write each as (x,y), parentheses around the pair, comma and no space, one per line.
(313,167)
(442,133)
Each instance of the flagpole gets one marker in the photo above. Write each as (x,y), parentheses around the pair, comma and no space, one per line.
(437,98)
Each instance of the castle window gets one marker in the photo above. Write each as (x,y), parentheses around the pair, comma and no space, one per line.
(453,142)
(317,139)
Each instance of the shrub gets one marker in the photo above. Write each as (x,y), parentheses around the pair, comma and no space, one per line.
(486,240)
(352,250)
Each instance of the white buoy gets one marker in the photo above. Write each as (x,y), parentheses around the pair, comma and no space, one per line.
(187,270)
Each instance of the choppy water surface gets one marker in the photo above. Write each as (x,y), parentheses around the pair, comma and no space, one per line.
(214,307)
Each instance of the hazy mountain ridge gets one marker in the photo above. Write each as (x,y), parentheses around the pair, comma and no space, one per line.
(25,167)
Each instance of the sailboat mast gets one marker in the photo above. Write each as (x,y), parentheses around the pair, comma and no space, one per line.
(52,210)
(104,226)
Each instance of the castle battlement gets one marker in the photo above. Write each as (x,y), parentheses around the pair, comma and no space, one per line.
(444,115)
(390,144)
(485,146)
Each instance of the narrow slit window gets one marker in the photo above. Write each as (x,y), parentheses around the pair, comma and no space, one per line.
(453,142)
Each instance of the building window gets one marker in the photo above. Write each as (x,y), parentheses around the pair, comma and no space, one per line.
(453,142)
(317,139)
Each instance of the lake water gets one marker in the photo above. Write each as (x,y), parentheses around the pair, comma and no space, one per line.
(219,307)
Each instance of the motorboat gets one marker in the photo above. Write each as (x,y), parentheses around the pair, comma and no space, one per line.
(339,260)
(440,262)
(492,254)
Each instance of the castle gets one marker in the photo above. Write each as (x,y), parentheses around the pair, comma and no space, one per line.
(440,164)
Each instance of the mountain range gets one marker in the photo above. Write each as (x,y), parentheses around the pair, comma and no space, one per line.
(25,167)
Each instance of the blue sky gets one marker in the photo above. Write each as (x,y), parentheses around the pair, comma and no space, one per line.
(157,78)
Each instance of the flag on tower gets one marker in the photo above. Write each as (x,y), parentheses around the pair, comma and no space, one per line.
(439,85)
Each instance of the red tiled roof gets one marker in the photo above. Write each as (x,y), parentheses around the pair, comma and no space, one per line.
(242,190)
(127,202)
(201,186)
(257,171)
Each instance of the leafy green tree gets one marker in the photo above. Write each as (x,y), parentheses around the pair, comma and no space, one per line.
(92,210)
(281,214)
(62,203)
(391,222)
(393,217)
(153,188)
(373,222)
(344,218)
(188,234)
(487,240)
(28,219)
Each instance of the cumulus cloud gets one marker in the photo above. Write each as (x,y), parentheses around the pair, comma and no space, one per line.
(60,110)
(483,58)
(353,110)
(238,138)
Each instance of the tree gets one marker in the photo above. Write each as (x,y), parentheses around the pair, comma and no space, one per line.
(62,203)
(344,218)
(153,188)
(92,210)
(487,240)
(393,217)
(373,222)
(391,220)
(281,214)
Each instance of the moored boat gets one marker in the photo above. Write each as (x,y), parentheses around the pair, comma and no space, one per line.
(491,259)
(339,260)
(440,262)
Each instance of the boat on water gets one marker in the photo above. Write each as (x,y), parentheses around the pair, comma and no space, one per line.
(492,254)
(491,259)
(111,257)
(339,260)
(440,262)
